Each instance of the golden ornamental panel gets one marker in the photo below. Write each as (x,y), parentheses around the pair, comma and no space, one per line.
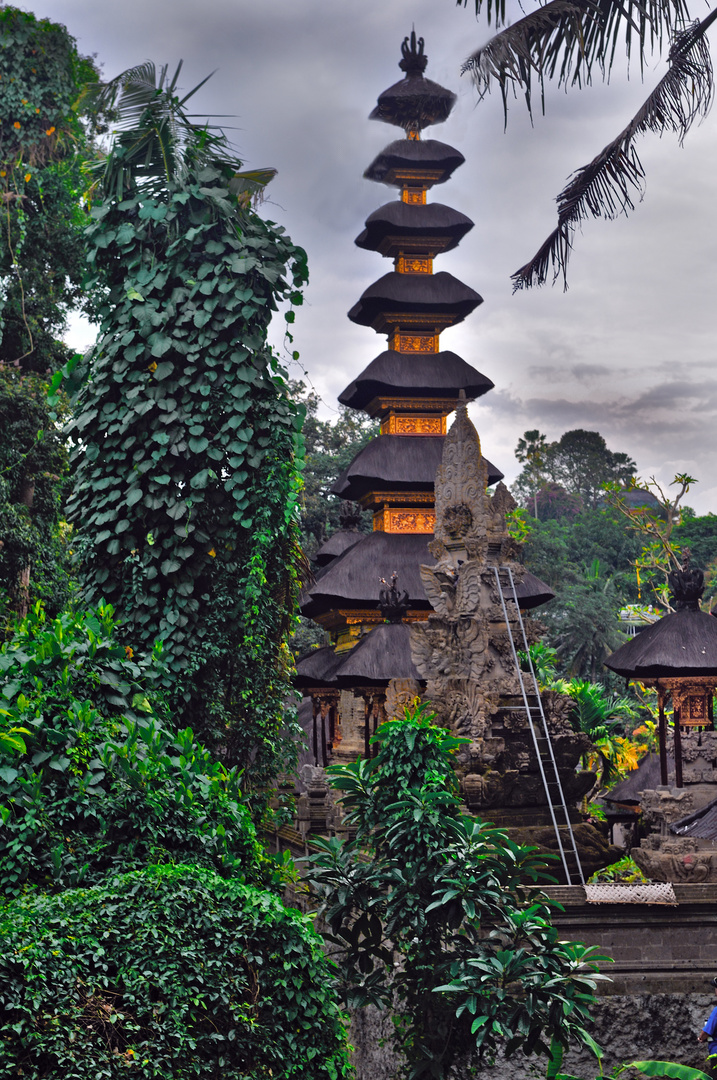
(398,424)
(405,521)
(414,177)
(413,196)
(414,343)
(429,246)
(413,264)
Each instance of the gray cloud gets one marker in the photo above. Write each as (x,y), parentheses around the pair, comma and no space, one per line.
(628,350)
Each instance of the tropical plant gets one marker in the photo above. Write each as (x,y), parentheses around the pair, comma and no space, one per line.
(33,481)
(583,622)
(92,782)
(568,40)
(46,125)
(626,871)
(186,484)
(603,716)
(655,526)
(428,912)
(171,973)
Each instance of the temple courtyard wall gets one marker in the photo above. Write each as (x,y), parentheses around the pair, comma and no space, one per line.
(654,1006)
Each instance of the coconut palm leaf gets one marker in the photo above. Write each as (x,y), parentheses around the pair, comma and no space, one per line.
(611,183)
(155,138)
(566,39)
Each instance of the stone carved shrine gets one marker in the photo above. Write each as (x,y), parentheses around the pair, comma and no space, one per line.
(435,631)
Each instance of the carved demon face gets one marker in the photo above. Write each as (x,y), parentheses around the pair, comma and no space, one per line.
(457,520)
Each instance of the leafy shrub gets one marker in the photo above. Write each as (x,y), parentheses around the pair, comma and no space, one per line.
(430,914)
(103,786)
(171,972)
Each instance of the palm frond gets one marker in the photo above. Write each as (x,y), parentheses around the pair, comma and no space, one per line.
(155,139)
(565,39)
(613,181)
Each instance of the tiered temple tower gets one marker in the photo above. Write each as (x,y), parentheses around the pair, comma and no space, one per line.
(411,388)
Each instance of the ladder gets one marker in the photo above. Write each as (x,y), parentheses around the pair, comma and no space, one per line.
(541,736)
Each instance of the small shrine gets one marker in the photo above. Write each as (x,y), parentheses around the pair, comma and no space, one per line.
(678,657)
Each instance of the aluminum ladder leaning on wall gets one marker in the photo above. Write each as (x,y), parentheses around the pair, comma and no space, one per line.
(541,736)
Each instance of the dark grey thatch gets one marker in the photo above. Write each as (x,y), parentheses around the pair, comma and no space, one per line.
(353,579)
(646,777)
(440,294)
(414,102)
(442,374)
(396,463)
(415,222)
(384,654)
(702,825)
(531,592)
(683,643)
(419,154)
(336,545)
(316,668)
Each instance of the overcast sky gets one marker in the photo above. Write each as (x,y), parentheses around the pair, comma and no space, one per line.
(629,350)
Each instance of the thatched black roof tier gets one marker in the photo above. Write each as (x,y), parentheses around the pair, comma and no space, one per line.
(432,294)
(397,463)
(316,668)
(682,643)
(419,223)
(415,102)
(352,580)
(336,545)
(702,824)
(425,375)
(646,777)
(400,159)
(383,654)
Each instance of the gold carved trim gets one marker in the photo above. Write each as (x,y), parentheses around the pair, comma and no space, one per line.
(430,246)
(421,424)
(414,196)
(376,500)
(414,343)
(381,406)
(414,177)
(404,521)
(414,264)
(391,322)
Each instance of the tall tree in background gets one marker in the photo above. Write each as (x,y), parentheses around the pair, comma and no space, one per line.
(568,40)
(186,488)
(329,447)
(44,142)
(579,462)
(530,452)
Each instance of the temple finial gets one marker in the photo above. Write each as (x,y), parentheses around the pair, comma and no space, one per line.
(413,60)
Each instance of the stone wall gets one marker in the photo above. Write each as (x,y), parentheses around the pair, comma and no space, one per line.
(654,1006)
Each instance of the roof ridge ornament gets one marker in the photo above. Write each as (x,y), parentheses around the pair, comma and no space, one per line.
(686,584)
(413,60)
(392,602)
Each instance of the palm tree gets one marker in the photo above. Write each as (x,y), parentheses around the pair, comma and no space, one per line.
(567,40)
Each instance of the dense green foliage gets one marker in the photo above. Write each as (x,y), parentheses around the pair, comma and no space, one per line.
(186,481)
(33,477)
(171,973)
(429,913)
(42,145)
(330,447)
(104,786)
(43,142)
(579,462)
